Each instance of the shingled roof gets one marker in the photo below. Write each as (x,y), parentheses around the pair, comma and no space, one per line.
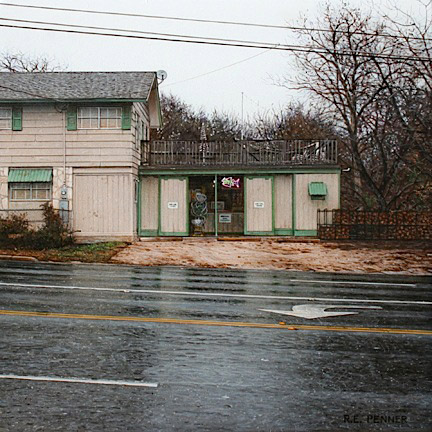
(67,86)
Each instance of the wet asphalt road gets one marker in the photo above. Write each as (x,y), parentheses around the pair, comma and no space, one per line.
(209,377)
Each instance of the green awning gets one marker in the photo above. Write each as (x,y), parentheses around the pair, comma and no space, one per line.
(22,175)
(317,189)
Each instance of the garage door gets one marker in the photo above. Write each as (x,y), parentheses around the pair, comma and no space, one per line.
(103,205)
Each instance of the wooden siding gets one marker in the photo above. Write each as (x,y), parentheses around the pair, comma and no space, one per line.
(283,201)
(173,220)
(149,203)
(103,204)
(306,208)
(259,220)
(41,143)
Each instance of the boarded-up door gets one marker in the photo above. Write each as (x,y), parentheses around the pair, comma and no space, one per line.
(103,205)
(173,207)
(149,206)
(259,205)
(283,204)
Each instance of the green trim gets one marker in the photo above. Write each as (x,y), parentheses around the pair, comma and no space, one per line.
(251,177)
(260,233)
(187,207)
(294,204)
(245,206)
(126,118)
(16,118)
(216,213)
(273,204)
(139,208)
(177,233)
(251,171)
(148,233)
(159,204)
(25,175)
(288,232)
(306,233)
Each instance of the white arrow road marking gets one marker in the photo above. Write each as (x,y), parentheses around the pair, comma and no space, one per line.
(311,311)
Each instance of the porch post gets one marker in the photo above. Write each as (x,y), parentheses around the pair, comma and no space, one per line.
(216,205)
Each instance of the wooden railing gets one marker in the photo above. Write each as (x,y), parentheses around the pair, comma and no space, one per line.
(239,153)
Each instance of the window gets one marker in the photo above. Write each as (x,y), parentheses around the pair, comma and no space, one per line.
(99,118)
(5,118)
(30,191)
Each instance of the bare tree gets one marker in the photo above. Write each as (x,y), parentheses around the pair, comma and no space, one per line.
(292,122)
(19,62)
(182,122)
(352,70)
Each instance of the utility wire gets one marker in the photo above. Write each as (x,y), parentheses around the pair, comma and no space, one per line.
(216,70)
(234,23)
(137,31)
(264,45)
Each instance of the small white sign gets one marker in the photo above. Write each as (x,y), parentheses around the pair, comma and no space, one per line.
(258,204)
(225,218)
(173,205)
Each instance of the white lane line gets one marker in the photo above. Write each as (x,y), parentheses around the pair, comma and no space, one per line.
(347,282)
(204,294)
(79,380)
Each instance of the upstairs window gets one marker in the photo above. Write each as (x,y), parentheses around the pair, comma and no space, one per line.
(5,118)
(99,118)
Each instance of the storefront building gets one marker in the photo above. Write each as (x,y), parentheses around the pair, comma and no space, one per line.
(239,188)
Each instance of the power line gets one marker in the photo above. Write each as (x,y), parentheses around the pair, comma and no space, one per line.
(134,15)
(207,21)
(264,45)
(137,31)
(217,70)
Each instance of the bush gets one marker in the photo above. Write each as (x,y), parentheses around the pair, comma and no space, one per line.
(13,226)
(15,231)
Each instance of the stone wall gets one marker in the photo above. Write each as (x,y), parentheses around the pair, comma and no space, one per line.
(370,225)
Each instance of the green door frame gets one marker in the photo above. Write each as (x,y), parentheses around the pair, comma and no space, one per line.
(260,233)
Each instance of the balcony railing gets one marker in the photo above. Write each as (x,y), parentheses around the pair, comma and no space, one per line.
(238,153)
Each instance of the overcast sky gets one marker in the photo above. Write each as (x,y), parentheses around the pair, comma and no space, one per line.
(220,90)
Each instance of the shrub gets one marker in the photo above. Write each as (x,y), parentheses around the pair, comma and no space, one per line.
(15,231)
(12,226)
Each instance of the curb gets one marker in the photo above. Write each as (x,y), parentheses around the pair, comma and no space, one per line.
(17,258)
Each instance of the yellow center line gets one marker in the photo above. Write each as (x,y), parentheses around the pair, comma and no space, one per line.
(283,326)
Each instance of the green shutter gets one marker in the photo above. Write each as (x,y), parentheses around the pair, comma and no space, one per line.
(126,118)
(71,119)
(16,119)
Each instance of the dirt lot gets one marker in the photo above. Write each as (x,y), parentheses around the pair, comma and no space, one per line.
(372,257)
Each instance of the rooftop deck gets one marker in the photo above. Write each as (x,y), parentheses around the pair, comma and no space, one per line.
(194,154)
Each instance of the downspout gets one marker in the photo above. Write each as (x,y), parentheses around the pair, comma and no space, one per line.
(64,150)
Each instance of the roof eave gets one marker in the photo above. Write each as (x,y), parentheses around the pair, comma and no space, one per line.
(47,100)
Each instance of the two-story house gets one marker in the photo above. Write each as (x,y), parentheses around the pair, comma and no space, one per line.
(81,140)
(74,139)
